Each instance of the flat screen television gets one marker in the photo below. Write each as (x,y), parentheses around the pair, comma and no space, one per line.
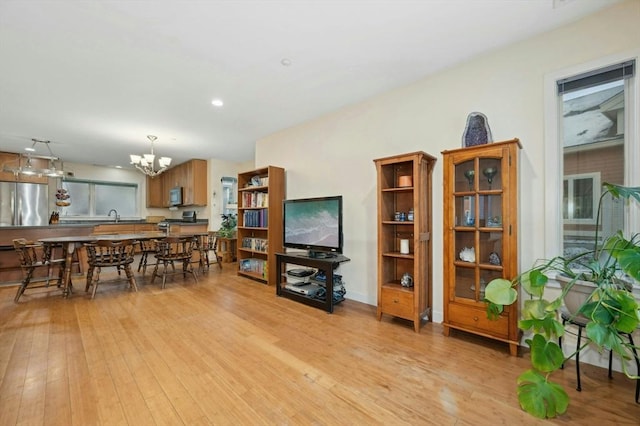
(314,224)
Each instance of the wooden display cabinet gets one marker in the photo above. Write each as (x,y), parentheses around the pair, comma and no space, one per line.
(260,196)
(480,236)
(404,190)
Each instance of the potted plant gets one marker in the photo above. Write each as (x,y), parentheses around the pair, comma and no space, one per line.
(608,307)
(228,226)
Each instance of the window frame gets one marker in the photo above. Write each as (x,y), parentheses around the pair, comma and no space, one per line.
(92,197)
(596,191)
(553,155)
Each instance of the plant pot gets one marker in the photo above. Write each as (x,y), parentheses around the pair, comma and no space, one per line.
(577,295)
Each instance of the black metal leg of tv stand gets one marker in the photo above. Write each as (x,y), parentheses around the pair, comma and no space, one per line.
(325,264)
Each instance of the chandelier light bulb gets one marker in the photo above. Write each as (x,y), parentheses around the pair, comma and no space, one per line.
(144,162)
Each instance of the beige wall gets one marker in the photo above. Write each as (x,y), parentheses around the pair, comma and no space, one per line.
(333,154)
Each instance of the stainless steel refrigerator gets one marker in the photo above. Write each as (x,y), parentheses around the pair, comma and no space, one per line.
(24,204)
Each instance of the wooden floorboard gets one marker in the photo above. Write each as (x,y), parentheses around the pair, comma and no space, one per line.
(227,351)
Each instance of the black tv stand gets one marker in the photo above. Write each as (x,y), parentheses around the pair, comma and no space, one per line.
(327,264)
(321,255)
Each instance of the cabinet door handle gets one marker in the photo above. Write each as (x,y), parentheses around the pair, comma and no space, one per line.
(475,318)
(396,300)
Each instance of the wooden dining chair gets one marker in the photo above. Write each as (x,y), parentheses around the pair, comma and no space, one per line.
(108,253)
(172,250)
(36,257)
(147,248)
(212,246)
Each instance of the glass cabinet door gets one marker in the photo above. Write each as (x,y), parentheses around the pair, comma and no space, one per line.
(478,233)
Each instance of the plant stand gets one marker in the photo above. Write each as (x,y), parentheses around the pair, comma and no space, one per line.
(581,323)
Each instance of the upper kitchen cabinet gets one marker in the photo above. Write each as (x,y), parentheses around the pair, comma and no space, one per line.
(155,191)
(191,176)
(11,160)
(8,160)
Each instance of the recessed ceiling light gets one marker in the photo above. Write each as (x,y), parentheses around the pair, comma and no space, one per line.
(217,102)
(285,62)
(30,149)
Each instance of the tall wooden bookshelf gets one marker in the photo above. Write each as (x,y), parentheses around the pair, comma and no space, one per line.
(260,196)
(404,216)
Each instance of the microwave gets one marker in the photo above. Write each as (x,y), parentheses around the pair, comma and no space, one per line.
(175,196)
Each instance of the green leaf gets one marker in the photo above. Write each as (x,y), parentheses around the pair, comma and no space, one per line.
(501,292)
(546,355)
(539,397)
(533,282)
(535,309)
(494,310)
(629,261)
(627,318)
(625,192)
(601,335)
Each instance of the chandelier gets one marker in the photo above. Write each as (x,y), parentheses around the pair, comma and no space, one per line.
(144,162)
(30,170)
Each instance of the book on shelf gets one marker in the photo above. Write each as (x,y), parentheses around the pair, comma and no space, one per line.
(255,199)
(256,218)
(254,266)
(256,244)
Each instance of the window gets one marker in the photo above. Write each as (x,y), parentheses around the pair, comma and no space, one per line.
(591,137)
(96,199)
(229,191)
(580,198)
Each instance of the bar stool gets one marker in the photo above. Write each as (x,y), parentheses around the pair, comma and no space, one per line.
(36,256)
(581,322)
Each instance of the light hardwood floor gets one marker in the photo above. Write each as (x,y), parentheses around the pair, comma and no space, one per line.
(228,351)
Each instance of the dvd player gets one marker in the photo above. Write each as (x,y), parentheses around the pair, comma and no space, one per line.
(301,272)
(307,290)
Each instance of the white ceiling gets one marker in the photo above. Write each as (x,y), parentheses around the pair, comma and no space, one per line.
(96,77)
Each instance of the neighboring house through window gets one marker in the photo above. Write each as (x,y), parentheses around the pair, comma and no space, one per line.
(580,198)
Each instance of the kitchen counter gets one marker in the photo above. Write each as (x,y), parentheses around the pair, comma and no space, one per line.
(10,271)
(93,223)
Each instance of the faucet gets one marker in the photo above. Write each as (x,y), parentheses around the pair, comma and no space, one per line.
(117,219)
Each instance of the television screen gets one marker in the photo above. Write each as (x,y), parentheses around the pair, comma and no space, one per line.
(313,224)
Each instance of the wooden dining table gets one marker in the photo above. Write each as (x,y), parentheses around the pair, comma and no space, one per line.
(70,243)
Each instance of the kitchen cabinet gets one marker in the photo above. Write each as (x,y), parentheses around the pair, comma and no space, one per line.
(155,192)
(191,176)
(8,159)
(180,228)
(194,183)
(124,228)
(12,160)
